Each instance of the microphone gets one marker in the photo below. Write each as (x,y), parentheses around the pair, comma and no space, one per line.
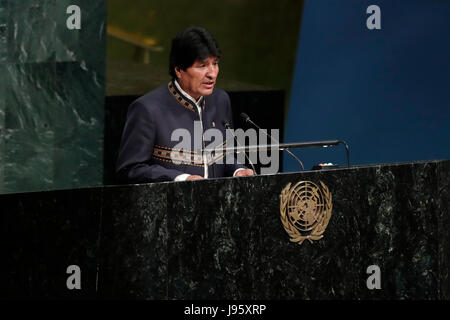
(246,118)
(226,124)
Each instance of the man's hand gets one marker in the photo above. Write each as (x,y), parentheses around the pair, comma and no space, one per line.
(246,172)
(194,177)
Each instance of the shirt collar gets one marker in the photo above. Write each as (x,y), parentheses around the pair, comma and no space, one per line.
(187,95)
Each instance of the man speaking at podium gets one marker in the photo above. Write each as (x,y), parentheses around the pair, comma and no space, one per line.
(147,150)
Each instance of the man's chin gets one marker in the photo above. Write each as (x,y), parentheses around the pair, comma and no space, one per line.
(207,92)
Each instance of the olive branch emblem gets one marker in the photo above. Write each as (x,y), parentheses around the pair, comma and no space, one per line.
(305,210)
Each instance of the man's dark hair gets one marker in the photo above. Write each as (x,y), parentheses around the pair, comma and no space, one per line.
(189,45)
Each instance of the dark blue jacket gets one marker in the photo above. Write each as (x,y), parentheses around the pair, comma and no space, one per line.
(146,150)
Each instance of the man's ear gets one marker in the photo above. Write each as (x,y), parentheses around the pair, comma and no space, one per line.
(178,72)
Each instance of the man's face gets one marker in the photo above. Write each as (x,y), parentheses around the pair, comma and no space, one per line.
(200,78)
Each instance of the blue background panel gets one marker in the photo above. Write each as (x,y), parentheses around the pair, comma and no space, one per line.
(386,92)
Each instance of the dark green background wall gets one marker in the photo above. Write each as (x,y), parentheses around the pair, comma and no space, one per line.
(51,95)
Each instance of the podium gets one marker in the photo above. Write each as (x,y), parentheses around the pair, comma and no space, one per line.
(224,238)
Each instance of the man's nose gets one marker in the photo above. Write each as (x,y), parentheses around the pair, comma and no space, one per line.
(212,71)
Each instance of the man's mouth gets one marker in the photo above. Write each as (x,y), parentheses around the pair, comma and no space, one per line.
(209,85)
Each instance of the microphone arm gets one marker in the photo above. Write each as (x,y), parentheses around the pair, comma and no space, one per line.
(246,118)
(284,146)
(227,126)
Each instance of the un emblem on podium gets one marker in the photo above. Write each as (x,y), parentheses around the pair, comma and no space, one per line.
(305,210)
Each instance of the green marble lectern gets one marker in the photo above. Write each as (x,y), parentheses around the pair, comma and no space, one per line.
(223,238)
